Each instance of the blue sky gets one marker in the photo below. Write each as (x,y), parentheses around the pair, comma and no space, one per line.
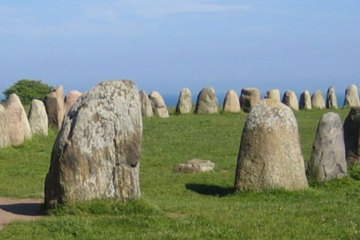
(167,45)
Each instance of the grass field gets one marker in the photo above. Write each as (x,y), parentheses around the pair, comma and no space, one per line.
(187,206)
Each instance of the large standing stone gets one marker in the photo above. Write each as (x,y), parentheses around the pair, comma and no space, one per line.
(328,154)
(273,94)
(231,102)
(318,100)
(97,152)
(249,98)
(184,104)
(331,99)
(146,108)
(270,154)
(158,105)
(71,98)
(55,109)
(290,99)
(38,119)
(305,100)
(207,101)
(17,122)
(351,96)
(351,137)
(4,135)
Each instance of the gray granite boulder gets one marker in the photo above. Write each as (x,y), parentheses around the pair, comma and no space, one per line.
(249,98)
(55,108)
(158,105)
(331,99)
(351,96)
(305,100)
(207,101)
(318,100)
(231,102)
(184,104)
(290,99)
(146,108)
(38,119)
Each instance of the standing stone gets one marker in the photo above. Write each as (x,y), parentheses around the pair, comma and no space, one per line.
(184,104)
(328,154)
(351,96)
(71,98)
(4,135)
(290,99)
(273,94)
(158,105)
(146,108)
(231,102)
(17,122)
(318,100)
(351,137)
(270,154)
(331,99)
(55,109)
(207,101)
(249,98)
(97,152)
(38,119)
(305,100)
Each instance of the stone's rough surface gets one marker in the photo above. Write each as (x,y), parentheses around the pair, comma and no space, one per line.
(71,98)
(305,100)
(290,99)
(55,108)
(38,118)
(249,98)
(158,105)
(184,104)
(4,135)
(328,155)
(17,122)
(351,137)
(270,154)
(318,100)
(351,96)
(331,99)
(195,165)
(207,101)
(273,94)
(146,108)
(97,151)
(231,102)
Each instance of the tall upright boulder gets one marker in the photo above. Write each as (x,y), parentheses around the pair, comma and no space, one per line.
(70,99)
(249,98)
(146,108)
(273,94)
(97,151)
(270,154)
(305,100)
(318,100)
(290,99)
(207,102)
(328,154)
(331,99)
(352,137)
(55,108)
(184,104)
(231,102)
(351,96)
(4,135)
(17,122)
(158,105)
(38,119)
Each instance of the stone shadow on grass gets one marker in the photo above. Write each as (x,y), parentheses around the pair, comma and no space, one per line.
(210,190)
(27,209)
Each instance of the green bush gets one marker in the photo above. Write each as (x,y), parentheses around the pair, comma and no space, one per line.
(28,90)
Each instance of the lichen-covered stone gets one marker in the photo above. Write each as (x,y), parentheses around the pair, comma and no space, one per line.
(146,108)
(55,108)
(158,105)
(249,98)
(305,100)
(331,99)
(231,102)
(97,151)
(318,100)
(184,104)
(71,98)
(38,119)
(270,154)
(328,155)
(290,99)
(273,94)
(195,165)
(351,96)
(4,135)
(207,102)
(351,137)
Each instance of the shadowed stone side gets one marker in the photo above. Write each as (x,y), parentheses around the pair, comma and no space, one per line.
(146,108)
(331,99)
(207,101)
(290,99)
(55,108)
(184,104)
(97,151)
(351,137)
(270,154)
(231,102)
(38,118)
(351,96)
(305,100)
(249,98)
(158,105)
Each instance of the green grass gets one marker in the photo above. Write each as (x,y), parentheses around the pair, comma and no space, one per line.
(188,206)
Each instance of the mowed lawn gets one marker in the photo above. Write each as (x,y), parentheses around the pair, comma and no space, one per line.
(187,206)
